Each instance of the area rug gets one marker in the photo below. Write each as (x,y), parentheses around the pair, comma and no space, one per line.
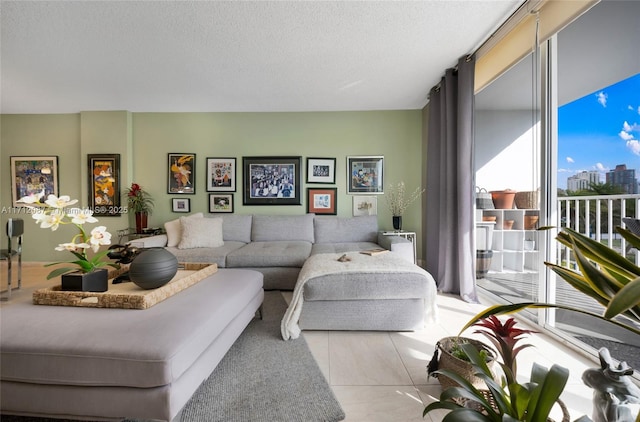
(619,351)
(261,379)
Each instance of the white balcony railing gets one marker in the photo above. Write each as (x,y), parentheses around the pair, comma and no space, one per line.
(597,216)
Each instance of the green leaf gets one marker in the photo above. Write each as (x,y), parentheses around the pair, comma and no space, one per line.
(626,298)
(551,384)
(448,405)
(578,282)
(466,415)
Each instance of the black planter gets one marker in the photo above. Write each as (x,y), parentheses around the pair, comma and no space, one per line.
(397,222)
(94,281)
(153,268)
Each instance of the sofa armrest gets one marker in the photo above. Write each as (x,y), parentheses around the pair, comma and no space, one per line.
(159,240)
(397,244)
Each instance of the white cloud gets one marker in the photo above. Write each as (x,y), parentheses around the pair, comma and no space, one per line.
(570,160)
(630,107)
(630,128)
(601,167)
(602,98)
(634,146)
(626,136)
(638,109)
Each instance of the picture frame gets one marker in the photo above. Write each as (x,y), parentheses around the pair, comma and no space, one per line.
(365,205)
(181,171)
(220,203)
(322,201)
(365,174)
(33,175)
(221,174)
(321,170)
(104,184)
(181,204)
(272,180)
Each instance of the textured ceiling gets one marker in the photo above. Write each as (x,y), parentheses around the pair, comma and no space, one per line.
(71,56)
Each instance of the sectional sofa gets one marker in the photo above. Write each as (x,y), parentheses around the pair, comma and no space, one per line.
(275,245)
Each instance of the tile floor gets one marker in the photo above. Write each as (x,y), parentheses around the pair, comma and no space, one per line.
(381,376)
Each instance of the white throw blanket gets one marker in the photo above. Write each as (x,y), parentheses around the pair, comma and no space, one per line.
(324,264)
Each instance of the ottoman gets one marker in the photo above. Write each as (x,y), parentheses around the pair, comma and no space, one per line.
(382,292)
(100,363)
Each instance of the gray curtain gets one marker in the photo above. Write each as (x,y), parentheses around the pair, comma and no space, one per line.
(449,226)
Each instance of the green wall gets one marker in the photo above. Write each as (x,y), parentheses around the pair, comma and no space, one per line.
(144,139)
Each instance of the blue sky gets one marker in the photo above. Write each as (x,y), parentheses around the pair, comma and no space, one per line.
(600,131)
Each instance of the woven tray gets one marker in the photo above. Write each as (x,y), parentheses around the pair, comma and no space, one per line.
(126,295)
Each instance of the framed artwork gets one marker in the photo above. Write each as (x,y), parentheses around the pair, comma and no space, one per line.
(33,175)
(180,204)
(221,174)
(182,171)
(220,202)
(365,175)
(365,205)
(321,170)
(272,180)
(104,184)
(322,201)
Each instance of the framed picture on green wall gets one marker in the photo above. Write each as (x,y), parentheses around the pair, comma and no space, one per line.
(365,174)
(272,180)
(221,174)
(104,184)
(34,175)
(182,173)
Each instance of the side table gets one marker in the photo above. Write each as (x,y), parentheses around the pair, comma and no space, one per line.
(130,233)
(407,235)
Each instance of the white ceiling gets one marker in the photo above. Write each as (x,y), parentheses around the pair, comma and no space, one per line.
(72,56)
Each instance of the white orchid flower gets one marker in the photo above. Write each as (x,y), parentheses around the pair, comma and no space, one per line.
(72,247)
(99,236)
(52,220)
(81,216)
(32,198)
(61,202)
(39,216)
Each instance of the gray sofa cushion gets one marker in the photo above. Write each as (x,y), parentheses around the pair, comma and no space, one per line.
(208,255)
(236,227)
(270,254)
(342,247)
(367,285)
(352,229)
(93,347)
(268,228)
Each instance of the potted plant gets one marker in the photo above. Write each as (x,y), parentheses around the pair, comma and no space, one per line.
(398,202)
(141,203)
(450,355)
(86,272)
(507,400)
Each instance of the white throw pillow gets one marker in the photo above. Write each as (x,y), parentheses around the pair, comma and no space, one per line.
(174,229)
(201,233)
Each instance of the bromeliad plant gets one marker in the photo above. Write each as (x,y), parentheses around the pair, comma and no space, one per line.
(57,212)
(139,200)
(508,400)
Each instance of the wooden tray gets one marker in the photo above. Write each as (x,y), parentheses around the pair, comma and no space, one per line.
(126,295)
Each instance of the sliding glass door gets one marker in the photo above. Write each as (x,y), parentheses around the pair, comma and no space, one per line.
(564,122)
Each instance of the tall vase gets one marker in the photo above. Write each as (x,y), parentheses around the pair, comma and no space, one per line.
(397,222)
(141,221)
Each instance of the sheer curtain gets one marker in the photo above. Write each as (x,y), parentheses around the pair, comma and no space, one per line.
(449,226)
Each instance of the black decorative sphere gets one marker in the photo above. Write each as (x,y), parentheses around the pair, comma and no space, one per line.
(153,267)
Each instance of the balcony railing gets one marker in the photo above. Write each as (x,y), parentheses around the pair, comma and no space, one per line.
(597,216)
